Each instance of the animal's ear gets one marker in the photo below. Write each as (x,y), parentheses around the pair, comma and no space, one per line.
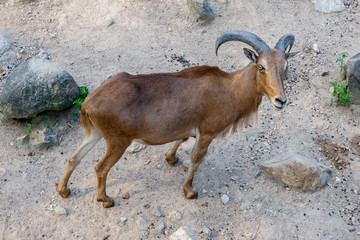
(250,54)
(290,55)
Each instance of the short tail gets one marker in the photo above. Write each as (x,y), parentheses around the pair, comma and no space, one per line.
(86,123)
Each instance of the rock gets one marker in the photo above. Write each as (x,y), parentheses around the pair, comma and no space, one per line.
(245,205)
(60,210)
(4,45)
(123,219)
(23,139)
(142,223)
(135,147)
(8,60)
(36,86)
(160,228)
(183,233)
(297,171)
(352,73)
(109,21)
(176,216)
(225,199)
(43,138)
(157,211)
(186,163)
(329,6)
(125,195)
(207,231)
(316,48)
(200,12)
(188,145)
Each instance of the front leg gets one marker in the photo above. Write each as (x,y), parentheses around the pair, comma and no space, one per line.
(196,157)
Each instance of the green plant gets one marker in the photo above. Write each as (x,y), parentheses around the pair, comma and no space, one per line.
(341,92)
(28,128)
(47,125)
(84,92)
(56,122)
(341,59)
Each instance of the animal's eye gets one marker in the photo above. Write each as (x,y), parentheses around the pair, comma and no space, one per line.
(261,67)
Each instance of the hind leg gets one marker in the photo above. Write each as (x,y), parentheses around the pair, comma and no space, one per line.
(88,143)
(171,155)
(112,156)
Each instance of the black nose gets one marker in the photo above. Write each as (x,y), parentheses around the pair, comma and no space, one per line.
(281,101)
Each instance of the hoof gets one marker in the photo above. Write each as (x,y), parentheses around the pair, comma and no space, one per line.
(108,204)
(170,159)
(190,195)
(64,191)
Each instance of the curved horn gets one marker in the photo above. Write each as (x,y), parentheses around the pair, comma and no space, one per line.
(247,37)
(284,42)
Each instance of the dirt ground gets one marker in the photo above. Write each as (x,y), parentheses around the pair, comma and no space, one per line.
(149,36)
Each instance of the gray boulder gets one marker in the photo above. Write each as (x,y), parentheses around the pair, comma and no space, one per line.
(200,12)
(329,6)
(352,73)
(36,86)
(297,171)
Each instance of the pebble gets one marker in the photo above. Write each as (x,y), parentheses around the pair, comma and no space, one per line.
(160,228)
(316,48)
(235,178)
(142,223)
(207,231)
(135,147)
(157,211)
(176,215)
(245,205)
(60,210)
(186,163)
(109,21)
(125,195)
(183,233)
(225,199)
(123,219)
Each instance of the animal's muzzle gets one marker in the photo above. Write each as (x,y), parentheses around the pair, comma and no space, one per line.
(280,103)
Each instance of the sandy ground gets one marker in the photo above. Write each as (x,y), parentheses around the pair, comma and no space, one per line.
(142,39)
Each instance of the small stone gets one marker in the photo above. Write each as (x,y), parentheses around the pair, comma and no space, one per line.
(60,210)
(245,205)
(184,233)
(43,138)
(235,178)
(123,219)
(316,48)
(160,228)
(109,21)
(188,145)
(186,163)
(337,180)
(135,147)
(157,211)
(125,195)
(225,199)
(176,215)
(142,223)
(207,231)
(23,139)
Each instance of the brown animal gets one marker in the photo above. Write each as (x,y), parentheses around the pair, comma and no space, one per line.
(202,102)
